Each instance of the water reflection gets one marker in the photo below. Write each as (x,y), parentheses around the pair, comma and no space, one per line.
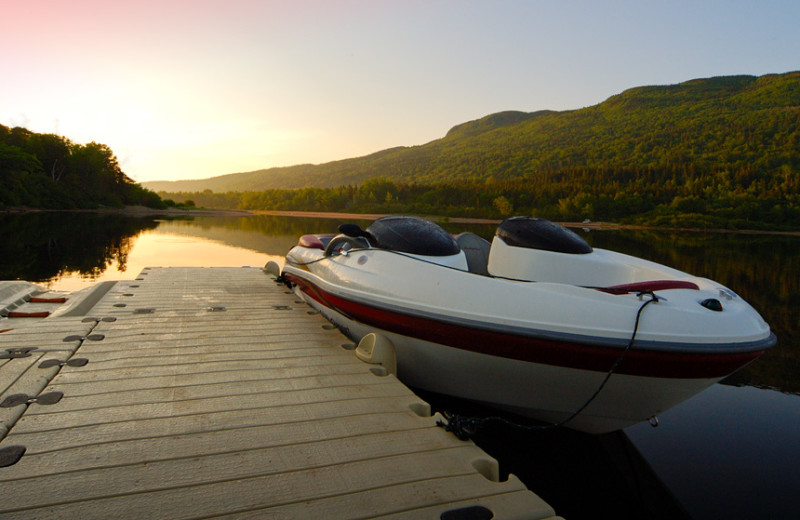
(729,452)
(65,250)
(709,451)
(45,246)
(70,251)
(582,476)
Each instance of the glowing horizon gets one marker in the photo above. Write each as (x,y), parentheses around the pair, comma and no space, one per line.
(189,90)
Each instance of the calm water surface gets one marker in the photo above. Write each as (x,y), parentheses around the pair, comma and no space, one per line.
(731,452)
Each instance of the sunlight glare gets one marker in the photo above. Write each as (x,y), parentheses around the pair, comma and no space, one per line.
(158,249)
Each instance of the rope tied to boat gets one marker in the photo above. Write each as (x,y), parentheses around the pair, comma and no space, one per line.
(465,427)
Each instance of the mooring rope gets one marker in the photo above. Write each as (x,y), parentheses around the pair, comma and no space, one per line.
(464,427)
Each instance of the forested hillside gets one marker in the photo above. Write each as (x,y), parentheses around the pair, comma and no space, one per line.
(50,171)
(746,126)
(720,152)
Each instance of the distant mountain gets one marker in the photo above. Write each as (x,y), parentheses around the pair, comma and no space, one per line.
(735,122)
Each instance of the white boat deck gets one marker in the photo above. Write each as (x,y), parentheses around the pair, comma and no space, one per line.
(213,393)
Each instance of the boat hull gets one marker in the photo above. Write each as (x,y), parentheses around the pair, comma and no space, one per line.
(547,393)
(644,384)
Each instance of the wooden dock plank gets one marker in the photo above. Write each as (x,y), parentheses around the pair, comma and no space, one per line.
(296,462)
(79,385)
(22,375)
(177,408)
(53,440)
(276,363)
(392,428)
(325,475)
(188,355)
(239,389)
(514,504)
(211,392)
(462,492)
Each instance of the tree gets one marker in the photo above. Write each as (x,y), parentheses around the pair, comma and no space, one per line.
(503,206)
(47,170)
(53,152)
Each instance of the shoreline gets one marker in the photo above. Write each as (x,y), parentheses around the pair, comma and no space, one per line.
(174,212)
(470,220)
(135,211)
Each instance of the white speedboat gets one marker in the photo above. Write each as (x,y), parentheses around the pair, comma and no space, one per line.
(537,322)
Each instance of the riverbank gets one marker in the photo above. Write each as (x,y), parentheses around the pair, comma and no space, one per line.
(470,220)
(136,211)
(435,218)
(175,212)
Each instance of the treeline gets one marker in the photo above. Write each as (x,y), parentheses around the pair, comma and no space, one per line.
(719,152)
(737,123)
(50,171)
(672,196)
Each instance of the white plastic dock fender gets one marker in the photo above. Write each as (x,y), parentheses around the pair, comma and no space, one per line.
(377,349)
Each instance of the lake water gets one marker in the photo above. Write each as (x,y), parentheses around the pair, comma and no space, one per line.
(731,452)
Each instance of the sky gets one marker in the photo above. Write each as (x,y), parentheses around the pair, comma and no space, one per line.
(191,89)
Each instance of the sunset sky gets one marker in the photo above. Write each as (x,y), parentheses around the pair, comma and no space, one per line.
(189,89)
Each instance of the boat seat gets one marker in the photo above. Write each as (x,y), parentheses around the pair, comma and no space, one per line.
(476,250)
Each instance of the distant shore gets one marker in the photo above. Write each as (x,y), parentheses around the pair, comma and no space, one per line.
(139,211)
(367,216)
(456,220)
(174,212)
(470,220)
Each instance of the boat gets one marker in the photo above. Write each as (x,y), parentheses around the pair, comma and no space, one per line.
(536,322)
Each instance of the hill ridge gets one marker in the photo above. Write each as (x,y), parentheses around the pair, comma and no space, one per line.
(736,121)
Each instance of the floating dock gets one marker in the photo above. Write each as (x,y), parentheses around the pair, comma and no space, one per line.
(215,393)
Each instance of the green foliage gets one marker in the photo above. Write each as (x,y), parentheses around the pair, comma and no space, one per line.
(740,123)
(675,196)
(49,171)
(719,152)
(502,205)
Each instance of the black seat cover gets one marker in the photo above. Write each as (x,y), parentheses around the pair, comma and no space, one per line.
(538,233)
(412,235)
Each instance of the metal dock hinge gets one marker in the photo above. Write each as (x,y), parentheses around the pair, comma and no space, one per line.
(13,353)
(75,362)
(18,399)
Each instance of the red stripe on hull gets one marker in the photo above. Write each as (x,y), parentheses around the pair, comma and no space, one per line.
(655,285)
(648,363)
